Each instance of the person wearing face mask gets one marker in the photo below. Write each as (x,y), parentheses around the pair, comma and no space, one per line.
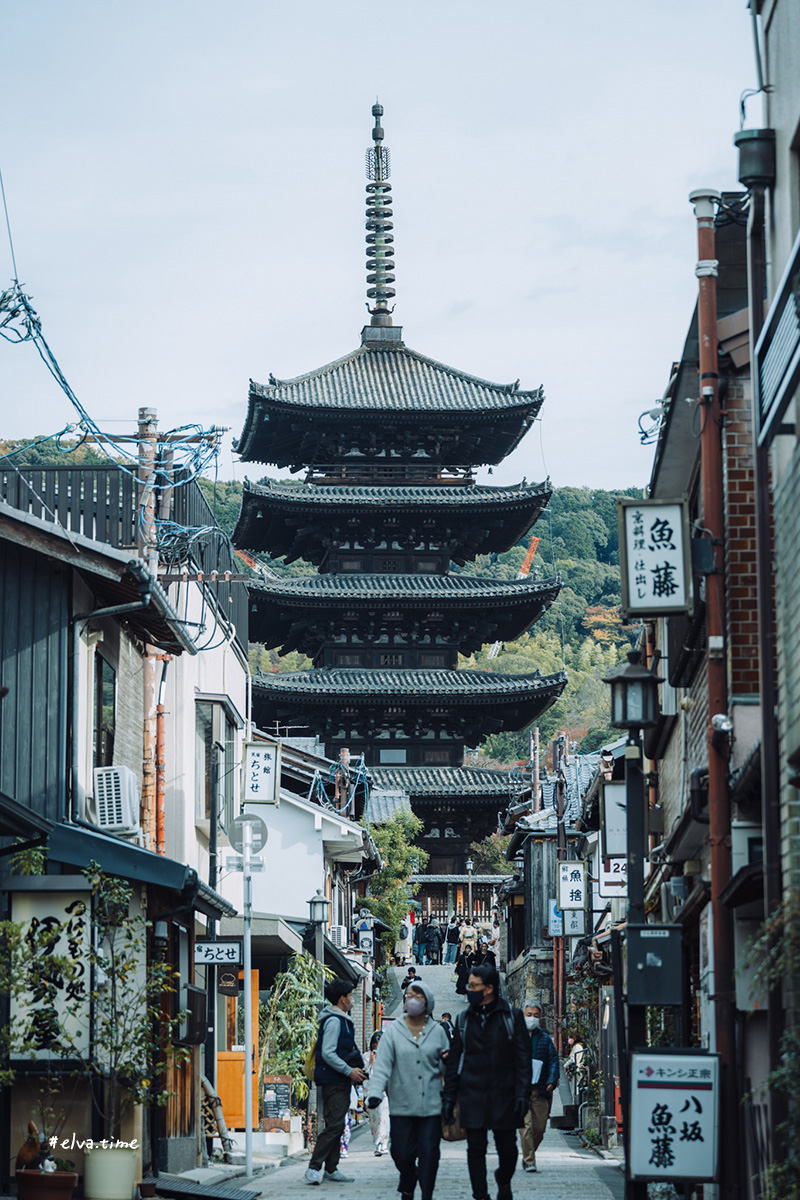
(545,1078)
(408,1067)
(489,1073)
(337,1066)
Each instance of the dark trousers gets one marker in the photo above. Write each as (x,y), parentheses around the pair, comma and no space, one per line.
(334,1099)
(505,1141)
(415,1150)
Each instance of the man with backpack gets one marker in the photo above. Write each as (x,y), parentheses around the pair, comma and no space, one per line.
(489,1073)
(337,1066)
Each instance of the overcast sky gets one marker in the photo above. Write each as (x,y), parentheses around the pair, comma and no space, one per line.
(185,182)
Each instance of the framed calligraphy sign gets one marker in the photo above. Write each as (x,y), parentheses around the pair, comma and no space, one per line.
(674,1115)
(261,772)
(654,557)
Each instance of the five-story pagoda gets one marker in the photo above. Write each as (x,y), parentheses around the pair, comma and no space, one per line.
(390,441)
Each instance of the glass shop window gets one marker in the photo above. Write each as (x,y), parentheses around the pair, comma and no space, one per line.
(105,711)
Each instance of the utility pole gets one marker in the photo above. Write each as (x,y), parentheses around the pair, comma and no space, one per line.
(705,200)
(148,551)
(559,961)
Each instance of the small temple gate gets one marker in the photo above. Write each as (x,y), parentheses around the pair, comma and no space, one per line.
(390,441)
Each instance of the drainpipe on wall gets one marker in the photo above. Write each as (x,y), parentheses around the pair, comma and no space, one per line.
(148,551)
(768,668)
(704,200)
(165,660)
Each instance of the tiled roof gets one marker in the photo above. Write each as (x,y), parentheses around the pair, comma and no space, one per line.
(423,587)
(440,781)
(330,683)
(292,496)
(385,804)
(393,379)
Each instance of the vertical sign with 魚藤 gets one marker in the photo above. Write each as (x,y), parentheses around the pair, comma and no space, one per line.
(261,773)
(654,557)
(571,884)
(674,1117)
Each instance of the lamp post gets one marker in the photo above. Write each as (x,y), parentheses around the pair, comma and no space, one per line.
(319,909)
(470,868)
(634,706)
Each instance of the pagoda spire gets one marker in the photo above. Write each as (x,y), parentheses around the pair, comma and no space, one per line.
(380,264)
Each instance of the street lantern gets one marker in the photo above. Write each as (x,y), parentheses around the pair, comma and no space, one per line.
(470,868)
(319,908)
(634,695)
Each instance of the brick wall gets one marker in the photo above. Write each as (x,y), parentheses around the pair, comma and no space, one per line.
(740,544)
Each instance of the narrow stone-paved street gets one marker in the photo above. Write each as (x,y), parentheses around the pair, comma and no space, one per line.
(565,1170)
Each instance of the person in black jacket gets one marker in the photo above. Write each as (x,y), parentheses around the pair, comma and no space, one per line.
(545,1059)
(489,1073)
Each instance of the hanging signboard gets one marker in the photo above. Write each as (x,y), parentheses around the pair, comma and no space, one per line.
(555,920)
(613,877)
(261,773)
(572,884)
(574,922)
(614,820)
(674,1117)
(654,557)
(223,953)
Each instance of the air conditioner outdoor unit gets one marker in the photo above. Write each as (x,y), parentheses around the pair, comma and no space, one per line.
(116,798)
(338,935)
(674,894)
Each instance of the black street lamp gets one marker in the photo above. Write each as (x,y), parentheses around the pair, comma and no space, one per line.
(470,869)
(634,706)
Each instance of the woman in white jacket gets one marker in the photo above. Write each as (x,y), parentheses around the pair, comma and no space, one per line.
(408,1067)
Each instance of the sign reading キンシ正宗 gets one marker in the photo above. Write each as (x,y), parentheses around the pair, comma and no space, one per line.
(654,557)
(674,1116)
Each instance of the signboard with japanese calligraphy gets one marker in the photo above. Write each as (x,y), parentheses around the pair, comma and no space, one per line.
(571,884)
(674,1116)
(65,916)
(613,877)
(261,773)
(654,557)
(555,919)
(574,922)
(217,953)
(614,820)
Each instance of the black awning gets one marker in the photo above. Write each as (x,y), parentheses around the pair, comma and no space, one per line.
(18,821)
(77,846)
(745,887)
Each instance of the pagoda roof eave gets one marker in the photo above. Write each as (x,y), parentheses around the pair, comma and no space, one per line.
(440,782)
(333,684)
(456,590)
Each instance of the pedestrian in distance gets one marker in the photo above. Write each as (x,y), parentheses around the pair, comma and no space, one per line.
(337,1066)
(420,938)
(448,1026)
(377,1114)
(489,1074)
(408,1067)
(451,940)
(411,977)
(468,938)
(433,943)
(464,966)
(544,1080)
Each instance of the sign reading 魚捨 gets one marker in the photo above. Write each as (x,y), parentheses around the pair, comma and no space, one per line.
(571,884)
(654,557)
(674,1116)
(261,772)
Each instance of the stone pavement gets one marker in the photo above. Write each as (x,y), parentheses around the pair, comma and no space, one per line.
(566,1172)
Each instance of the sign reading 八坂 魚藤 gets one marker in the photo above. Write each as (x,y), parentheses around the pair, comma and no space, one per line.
(654,557)
(674,1116)
(261,772)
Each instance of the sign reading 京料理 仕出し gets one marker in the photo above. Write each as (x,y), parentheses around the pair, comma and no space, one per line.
(654,557)
(674,1116)
(261,773)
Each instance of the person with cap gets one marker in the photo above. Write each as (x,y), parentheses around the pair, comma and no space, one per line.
(408,1067)
(544,1077)
(337,1066)
(489,1073)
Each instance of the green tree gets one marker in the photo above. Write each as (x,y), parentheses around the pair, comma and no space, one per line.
(390,888)
(489,855)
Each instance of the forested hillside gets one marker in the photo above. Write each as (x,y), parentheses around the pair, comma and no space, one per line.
(582,631)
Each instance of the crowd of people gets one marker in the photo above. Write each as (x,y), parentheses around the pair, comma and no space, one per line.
(463,943)
(492,1068)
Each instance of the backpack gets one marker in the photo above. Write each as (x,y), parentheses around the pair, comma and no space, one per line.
(403,932)
(461,1026)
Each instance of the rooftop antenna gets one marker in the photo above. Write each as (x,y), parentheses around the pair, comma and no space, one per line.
(380,264)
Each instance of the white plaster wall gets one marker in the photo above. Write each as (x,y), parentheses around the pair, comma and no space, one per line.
(294,860)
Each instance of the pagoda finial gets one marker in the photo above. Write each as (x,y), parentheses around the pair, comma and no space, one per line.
(379,238)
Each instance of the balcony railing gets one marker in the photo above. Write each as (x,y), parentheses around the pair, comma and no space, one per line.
(100,503)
